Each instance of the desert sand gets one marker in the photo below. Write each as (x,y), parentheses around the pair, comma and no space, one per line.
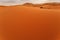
(29,23)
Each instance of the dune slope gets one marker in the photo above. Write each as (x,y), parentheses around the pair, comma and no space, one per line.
(29,23)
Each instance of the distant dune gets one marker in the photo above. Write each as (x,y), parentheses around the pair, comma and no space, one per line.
(53,5)
(44,5)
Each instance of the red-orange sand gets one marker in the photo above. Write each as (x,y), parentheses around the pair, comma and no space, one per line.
(29,23)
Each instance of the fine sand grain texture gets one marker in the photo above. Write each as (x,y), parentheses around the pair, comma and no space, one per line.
(29,23)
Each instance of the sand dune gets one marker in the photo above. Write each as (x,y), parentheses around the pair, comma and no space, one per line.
(44,5)
(29,23)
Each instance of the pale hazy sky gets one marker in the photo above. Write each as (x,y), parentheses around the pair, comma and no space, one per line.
(24,1)
(32,1)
